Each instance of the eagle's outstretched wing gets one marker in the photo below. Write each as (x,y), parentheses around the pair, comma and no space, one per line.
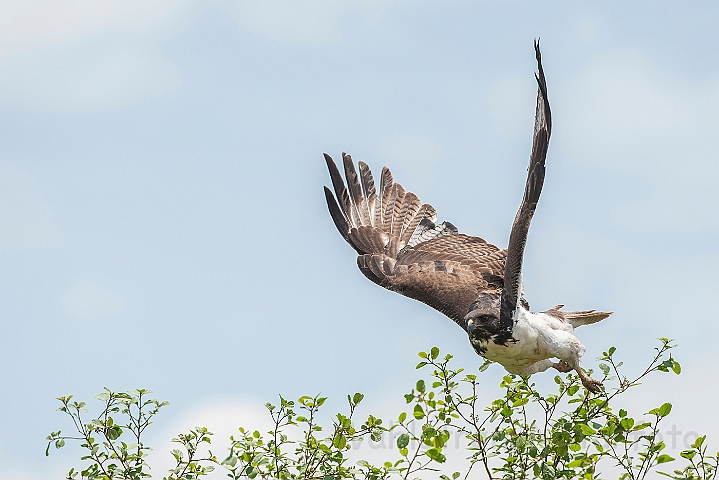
(535,180)
(400,247)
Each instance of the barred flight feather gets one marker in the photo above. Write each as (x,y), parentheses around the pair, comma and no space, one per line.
(355,191)
(401,248)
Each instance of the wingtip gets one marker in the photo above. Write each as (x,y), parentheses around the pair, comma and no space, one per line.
(538,54)
(328,159)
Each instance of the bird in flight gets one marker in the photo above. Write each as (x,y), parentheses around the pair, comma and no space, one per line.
(476,284)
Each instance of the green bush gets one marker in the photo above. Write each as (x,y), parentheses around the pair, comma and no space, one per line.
(523,434)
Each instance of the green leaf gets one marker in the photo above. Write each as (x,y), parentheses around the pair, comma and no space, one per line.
(420,365)
(340,441)
(664,458)
(403,441)
(688,454)
(357,398)
(402,417)
(418,412)
(627,423)
(420,386)
(676,368)
(699,441)
(665,409)
(422,354)
(436,455)
(114,432)
(586,429)
(641,426)
(434,353)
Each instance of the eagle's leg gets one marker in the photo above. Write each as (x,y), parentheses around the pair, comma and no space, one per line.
(594,386)
(570,361)
(570,356)
(589,383)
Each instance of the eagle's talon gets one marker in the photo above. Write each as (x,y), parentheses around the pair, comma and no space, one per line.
(594,386)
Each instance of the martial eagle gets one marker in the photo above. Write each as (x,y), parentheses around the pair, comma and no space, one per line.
(469,280)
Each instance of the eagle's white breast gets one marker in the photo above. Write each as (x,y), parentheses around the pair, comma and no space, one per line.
(537,338)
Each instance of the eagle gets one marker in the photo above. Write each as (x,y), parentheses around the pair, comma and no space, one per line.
(479,286)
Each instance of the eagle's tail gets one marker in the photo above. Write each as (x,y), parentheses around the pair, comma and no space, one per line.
(585,317)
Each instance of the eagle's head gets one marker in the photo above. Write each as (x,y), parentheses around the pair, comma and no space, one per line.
(482,325)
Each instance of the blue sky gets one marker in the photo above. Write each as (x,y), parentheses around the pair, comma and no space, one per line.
(162,222)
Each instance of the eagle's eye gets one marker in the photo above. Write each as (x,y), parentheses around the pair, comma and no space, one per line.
(484,319)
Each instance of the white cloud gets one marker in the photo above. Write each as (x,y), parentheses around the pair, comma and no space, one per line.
(623,113)
(312,21)
(25,220)
(79,56)
(414,154)
(29,24)
(86,300)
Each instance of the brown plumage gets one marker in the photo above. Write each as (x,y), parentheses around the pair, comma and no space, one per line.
(401,249)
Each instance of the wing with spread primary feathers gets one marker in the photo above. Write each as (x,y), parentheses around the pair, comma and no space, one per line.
(535,179)
(402,249)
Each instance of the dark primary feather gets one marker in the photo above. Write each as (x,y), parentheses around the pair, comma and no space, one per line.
(401,248)
(359,207)
(533,189)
